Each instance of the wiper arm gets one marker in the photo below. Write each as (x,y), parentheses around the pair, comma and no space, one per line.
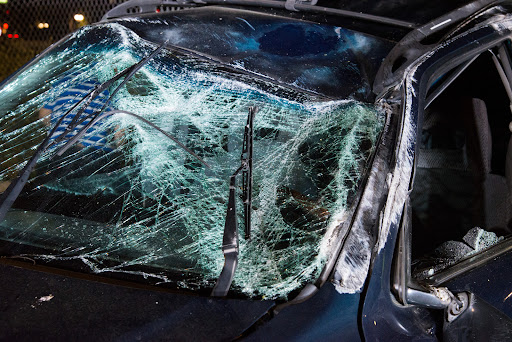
(230,238)
(13,191)
(97,116)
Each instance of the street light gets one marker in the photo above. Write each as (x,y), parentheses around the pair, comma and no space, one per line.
(77,21)
(79,17)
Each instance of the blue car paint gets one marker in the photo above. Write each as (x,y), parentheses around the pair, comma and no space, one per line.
(383,318)
(324,317)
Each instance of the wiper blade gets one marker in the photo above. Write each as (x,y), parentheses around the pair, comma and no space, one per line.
(128,72)
(230,238)
(13,191)
(246,72)
(247,153)
(97,116)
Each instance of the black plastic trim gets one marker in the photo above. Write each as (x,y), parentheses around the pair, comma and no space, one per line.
(137,7)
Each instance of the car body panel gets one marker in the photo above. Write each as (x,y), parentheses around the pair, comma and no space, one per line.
(107,311)
(322,317)
(398,318)
(488,283)
(363,302)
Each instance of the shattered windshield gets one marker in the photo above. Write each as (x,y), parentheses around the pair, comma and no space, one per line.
(325,59)
(127,199)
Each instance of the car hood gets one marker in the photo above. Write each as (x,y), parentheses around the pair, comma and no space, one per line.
(57,307)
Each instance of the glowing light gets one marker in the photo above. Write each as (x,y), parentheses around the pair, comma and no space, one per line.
(16,35)
(9,35)
(79,17)
(46,25)
(5,26)
(40,25)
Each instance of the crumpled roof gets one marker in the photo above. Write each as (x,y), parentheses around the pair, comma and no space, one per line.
(409,10)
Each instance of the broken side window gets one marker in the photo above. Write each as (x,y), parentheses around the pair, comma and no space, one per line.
(461,201)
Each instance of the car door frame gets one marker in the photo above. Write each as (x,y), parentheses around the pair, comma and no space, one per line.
(408,310)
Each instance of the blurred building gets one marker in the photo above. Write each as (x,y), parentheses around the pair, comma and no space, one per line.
(27,27)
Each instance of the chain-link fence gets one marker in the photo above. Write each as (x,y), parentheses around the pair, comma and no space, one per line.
(27,27)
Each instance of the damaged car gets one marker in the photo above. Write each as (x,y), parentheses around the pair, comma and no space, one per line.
(299,170)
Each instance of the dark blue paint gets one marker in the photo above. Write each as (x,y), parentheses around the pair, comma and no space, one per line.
(88,310)
(327,316)
(480,322)
(383,318)
(491,282)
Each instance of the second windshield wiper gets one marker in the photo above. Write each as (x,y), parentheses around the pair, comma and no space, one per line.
(89,98)
(170,136)
(230,238)
(12,192)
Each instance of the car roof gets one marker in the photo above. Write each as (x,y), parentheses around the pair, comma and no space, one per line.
(414,11)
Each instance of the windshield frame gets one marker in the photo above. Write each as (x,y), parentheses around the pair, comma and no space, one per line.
(343,230)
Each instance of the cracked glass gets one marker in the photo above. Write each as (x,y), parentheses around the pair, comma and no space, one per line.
(127,199)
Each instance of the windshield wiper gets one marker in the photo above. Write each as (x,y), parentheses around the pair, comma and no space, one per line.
(230,238)
(247,171)
(12,192)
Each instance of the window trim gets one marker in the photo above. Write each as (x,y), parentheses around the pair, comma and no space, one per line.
(469,263)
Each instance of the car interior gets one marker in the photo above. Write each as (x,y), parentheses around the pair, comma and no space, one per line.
(461,197)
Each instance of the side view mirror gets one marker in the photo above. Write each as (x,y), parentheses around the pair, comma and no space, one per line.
(409,292)
(467,317)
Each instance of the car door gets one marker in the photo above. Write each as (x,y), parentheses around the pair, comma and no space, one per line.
(448,249)
(460,202)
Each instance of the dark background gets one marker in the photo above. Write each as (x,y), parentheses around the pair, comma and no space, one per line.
(24,33)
